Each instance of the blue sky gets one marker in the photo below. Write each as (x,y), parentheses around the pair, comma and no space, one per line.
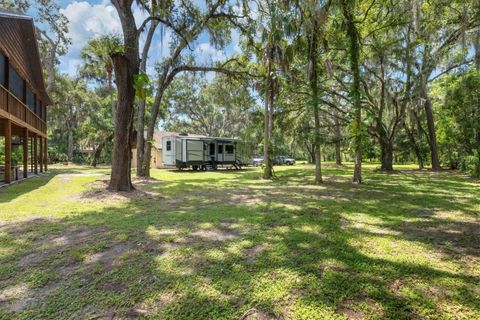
(92,18)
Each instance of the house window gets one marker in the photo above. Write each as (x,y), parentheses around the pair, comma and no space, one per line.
(41,109)
(169,145)
(220,149)
(3,76)
(38,108)
(30,100)
(229,149)
(16,83)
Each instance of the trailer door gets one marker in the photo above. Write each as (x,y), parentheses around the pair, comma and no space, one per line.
(212,151)
(168,151)
(220,152)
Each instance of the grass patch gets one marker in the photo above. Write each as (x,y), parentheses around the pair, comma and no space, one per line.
(219,245)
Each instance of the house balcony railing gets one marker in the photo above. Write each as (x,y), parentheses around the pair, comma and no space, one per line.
(12,105)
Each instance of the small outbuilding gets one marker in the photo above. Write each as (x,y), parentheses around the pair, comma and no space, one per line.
(156,149)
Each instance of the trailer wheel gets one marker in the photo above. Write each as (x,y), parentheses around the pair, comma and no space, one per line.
(194,168)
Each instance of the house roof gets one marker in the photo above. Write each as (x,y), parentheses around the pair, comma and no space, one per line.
(19,43)
(207,138)
(14,14)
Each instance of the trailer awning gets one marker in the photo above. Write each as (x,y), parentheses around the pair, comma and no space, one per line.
(219,139)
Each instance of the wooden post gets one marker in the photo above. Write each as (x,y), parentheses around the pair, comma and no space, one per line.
(7,80)
(40,154)
(35,154)
(31,154)
(8,150)
(25,153)
(45,155)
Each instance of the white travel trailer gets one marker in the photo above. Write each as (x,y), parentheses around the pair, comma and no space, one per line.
(199,152)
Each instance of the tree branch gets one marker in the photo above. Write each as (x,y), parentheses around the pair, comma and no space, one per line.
(164,22)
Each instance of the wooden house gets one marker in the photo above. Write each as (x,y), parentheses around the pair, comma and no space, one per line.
(23,100)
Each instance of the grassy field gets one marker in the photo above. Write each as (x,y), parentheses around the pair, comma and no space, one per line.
(228,245)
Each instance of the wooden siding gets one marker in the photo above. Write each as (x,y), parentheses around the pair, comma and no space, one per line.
(18,112)
(19,44)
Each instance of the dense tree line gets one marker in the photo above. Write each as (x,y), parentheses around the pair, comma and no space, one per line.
(321,80)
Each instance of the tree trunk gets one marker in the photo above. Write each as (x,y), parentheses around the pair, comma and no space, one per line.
(96,155)
(143,171)
(477,66)
(338,155)
(318,159)
(408,95)
(338,139)
(354,56)
(268,126)
(121,154)
(99,150)
(387,156)
(385,138)
(418,152)
(413,142)
(316,113)
(110,92)
(432,135)
(147,153)
(126,66)
(70,145)
(311,153)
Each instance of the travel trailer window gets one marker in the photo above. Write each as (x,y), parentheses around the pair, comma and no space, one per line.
(229,149)
(169,145)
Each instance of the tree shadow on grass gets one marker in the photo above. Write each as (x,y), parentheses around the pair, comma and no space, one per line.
(9,193)
(179,264)
(210,254)
(12,192)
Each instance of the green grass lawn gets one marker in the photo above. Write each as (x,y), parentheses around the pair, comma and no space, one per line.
(228,245)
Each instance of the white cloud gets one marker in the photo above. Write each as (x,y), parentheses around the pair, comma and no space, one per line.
(88,21)
(69,65)
(206,53)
